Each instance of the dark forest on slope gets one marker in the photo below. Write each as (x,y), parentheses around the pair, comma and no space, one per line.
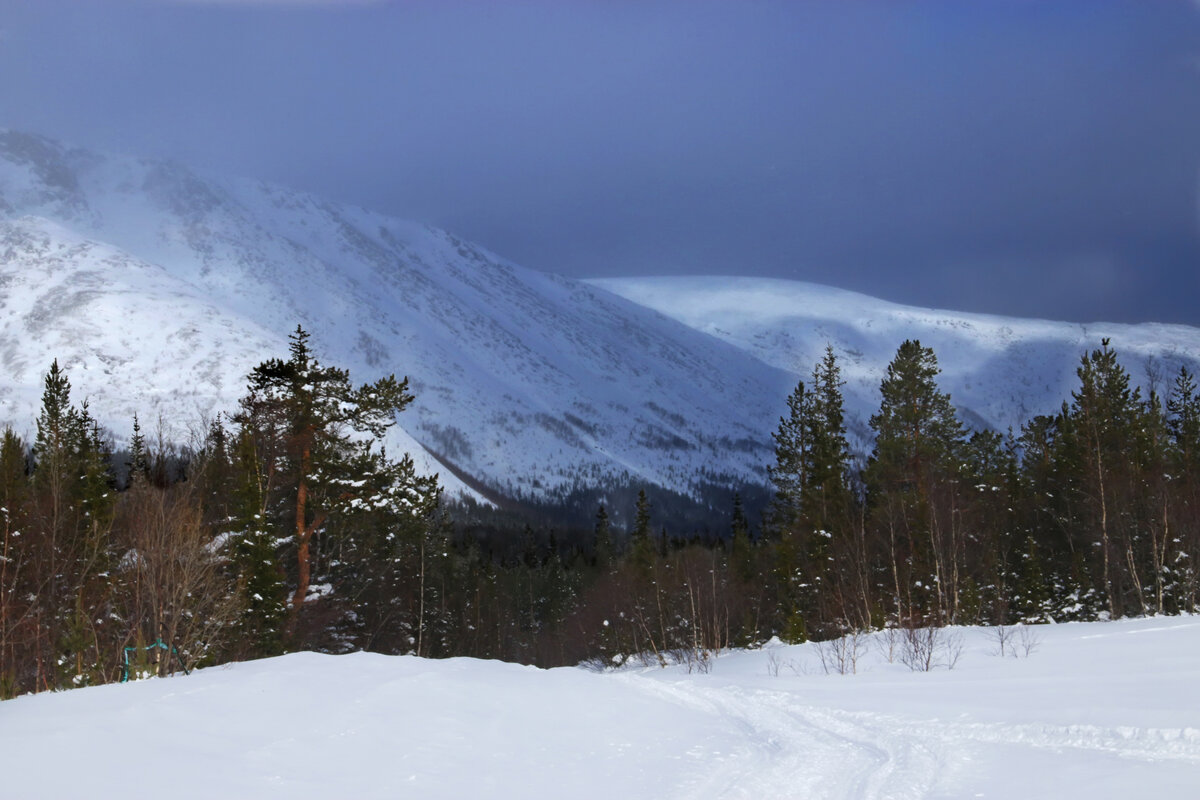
(287,528)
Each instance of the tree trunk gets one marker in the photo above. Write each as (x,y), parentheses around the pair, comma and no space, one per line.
(304,535)
(303,561)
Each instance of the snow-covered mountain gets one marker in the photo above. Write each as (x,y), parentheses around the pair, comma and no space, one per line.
(1000,371)
(159,288)
(150,282)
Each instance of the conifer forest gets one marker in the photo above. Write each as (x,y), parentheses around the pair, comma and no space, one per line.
(285,526)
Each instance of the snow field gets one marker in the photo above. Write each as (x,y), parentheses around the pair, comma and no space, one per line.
(1096,710)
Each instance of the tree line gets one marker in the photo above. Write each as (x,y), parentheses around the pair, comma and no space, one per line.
(282,527)
(287,526)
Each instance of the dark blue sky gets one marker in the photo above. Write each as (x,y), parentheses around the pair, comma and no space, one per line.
(1033,158)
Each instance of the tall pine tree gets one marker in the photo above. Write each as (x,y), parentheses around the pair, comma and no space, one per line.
(313,436)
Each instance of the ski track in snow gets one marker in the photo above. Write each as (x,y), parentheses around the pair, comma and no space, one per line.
(797,750)
(804,751)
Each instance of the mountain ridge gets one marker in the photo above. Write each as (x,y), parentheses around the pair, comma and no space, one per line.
(1000,371)
(169,285)
(531,382)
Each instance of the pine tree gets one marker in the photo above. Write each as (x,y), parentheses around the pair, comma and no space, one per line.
(314,433)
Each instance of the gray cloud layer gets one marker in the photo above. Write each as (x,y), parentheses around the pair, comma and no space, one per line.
(1019,157)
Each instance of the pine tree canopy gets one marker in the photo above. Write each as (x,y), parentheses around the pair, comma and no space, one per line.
(312,437)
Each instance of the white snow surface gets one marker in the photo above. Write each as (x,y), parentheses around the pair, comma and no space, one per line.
(1097,710)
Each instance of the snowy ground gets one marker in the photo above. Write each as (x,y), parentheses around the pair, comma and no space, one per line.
(1096,710)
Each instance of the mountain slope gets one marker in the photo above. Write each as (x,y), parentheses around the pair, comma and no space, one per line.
(158,288)
(134,339)
(527,382)
(1000,371)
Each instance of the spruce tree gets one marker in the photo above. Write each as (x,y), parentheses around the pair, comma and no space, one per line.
(832,556)
(812,513)
(139,465)
(260,577)
(1103,431)
(96,483)
(379,550)
(918,439)
(642,550)
(1183,423)
(916,427)
(741,552)
(57,429)
(790,478)
(15,558)
(603,552)
(73,502)
(988,560)
(829,450)
(788,474)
